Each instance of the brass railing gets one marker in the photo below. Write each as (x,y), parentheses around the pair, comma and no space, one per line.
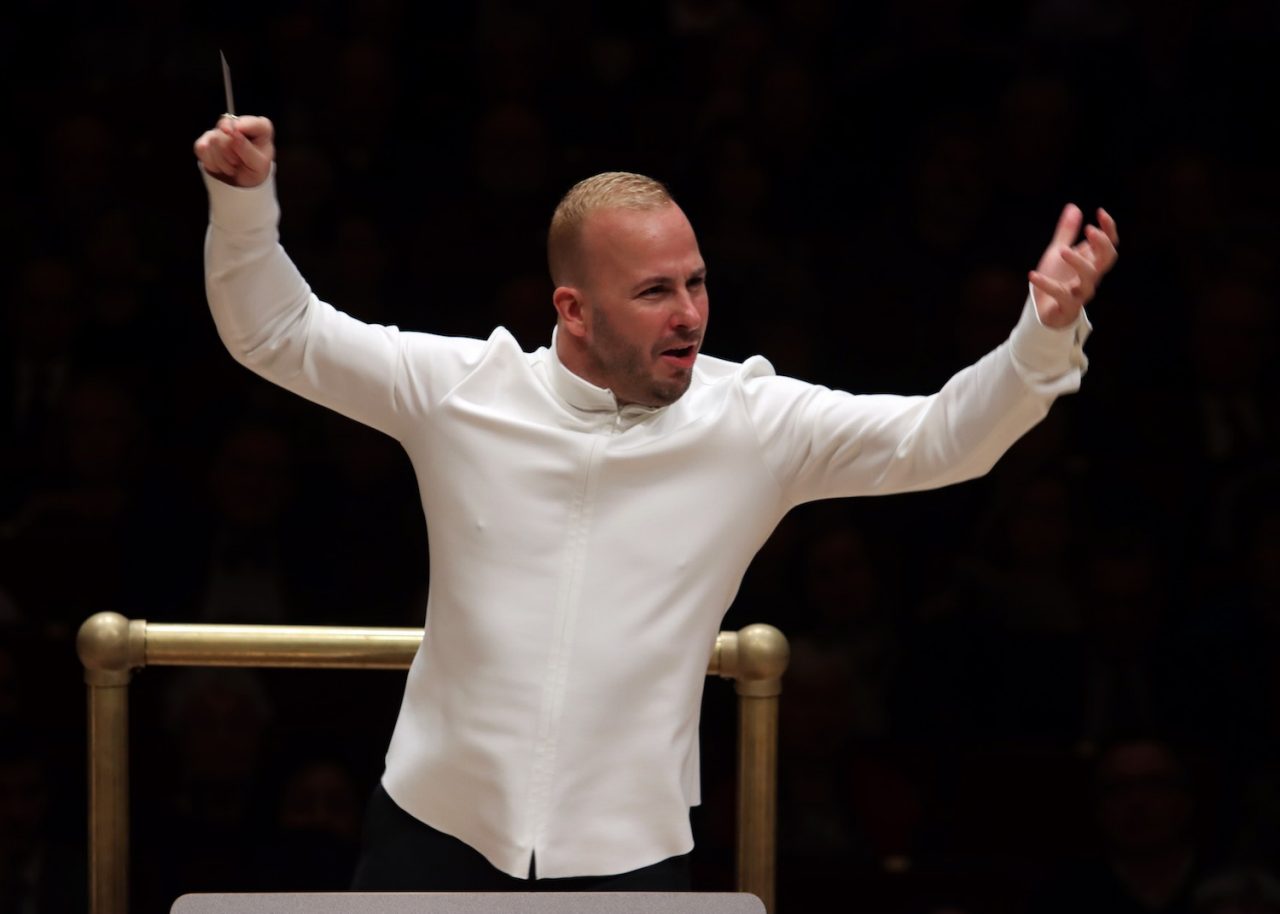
(112,647)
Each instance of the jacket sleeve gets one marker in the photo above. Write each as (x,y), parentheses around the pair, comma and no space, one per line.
(822,443)
(273,324)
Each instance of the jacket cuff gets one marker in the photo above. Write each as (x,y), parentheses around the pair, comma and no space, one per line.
(1045,355)
(242,209)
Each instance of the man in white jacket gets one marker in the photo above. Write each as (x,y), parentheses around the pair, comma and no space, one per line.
(592,507)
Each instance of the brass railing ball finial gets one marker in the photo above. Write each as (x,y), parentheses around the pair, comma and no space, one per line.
(110,647)
(762,655)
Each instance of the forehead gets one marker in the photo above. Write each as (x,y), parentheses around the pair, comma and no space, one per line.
(641,241)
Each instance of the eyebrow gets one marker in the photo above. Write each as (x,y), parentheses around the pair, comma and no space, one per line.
(700,273)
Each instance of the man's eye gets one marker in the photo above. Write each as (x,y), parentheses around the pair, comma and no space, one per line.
(652,291)
(697,282)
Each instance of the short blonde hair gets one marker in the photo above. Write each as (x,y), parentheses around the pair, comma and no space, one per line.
(608,190)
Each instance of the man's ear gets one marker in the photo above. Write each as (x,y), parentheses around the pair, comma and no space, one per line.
(570,307)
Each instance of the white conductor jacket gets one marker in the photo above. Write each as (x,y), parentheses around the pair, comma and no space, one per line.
(583,555)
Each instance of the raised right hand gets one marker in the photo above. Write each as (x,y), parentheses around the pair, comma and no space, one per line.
(238,151)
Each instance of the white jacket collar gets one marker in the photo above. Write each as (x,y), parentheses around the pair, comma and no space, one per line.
(580,393)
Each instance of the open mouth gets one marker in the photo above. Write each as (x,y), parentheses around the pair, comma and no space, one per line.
(680,358)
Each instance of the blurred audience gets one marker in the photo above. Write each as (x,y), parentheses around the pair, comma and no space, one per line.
(1149,852)
(1238,890)
(41,870)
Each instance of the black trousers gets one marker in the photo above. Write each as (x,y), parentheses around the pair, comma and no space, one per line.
(402,854)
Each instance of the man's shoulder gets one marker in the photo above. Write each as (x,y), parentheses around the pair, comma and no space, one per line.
(720,382)
(499,341)
(712,370)
(442,361)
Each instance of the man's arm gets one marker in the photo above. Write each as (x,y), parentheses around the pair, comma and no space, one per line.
(824,444)
(272,323)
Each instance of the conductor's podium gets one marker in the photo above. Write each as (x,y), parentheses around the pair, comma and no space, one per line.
(473,903)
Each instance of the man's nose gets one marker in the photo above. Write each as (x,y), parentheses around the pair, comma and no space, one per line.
(684,313)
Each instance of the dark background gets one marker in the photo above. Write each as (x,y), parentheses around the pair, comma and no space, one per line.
(870,184)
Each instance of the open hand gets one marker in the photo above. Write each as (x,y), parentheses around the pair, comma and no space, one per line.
(1068,274)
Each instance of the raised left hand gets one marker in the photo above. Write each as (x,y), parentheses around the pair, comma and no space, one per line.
(1068,274)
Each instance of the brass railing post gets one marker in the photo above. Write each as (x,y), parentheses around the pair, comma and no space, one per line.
(110,647)
(755,658)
